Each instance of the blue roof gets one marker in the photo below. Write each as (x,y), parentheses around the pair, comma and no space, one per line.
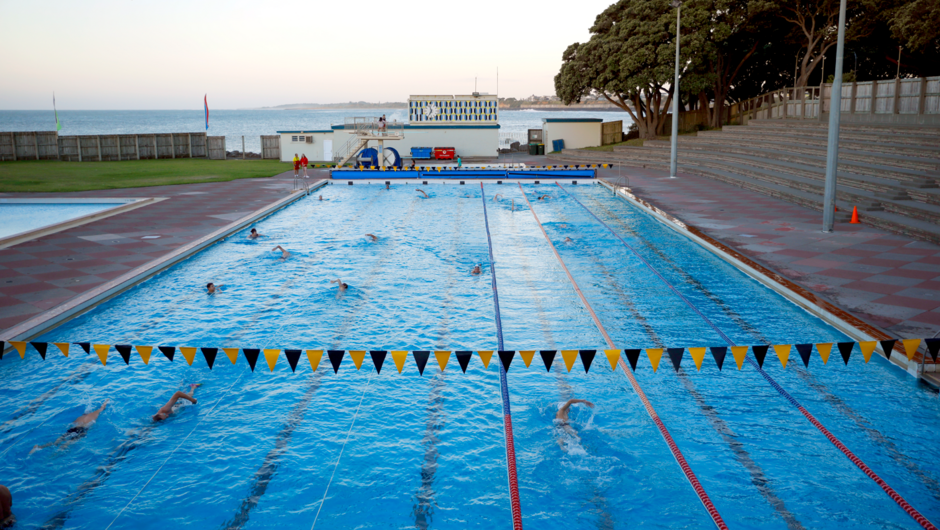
(572,120)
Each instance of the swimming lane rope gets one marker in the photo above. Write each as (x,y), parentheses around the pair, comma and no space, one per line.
(673,448)
(910,510)
(503,386)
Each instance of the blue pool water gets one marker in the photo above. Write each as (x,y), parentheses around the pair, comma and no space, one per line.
(23,217)
(358,449)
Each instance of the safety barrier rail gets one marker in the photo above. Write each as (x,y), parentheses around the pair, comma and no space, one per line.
(739,353)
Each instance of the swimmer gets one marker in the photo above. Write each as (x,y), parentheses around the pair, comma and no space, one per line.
(212,288)
(254,234)
(372,237)
(78,429)
(171,407)
(496,197)
(321,197)
(476,270)
(387,186)
(342,286)
(512,206)
(568,240)
(7,519)
(284,254)
(425,194)
(543,197)
(562,416)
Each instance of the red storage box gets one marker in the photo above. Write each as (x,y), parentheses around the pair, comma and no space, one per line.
(445,153)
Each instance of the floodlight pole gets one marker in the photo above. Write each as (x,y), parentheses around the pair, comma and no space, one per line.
(835,115)
(674,142)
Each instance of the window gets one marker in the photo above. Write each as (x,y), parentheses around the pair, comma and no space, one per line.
(293,138)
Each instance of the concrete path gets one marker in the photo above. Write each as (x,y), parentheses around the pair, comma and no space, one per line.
(888,280)
(40,274)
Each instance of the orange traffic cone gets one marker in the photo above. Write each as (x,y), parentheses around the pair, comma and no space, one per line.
(854,219)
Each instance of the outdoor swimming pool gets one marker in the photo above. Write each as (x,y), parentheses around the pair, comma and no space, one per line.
(18,217)
(358,449)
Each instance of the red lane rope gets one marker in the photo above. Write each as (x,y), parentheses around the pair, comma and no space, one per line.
(676,453)
(835,441)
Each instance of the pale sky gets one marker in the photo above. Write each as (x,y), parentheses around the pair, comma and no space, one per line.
(98,54)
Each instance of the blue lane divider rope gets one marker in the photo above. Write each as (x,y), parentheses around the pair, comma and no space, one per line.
(503,385)
(917,516)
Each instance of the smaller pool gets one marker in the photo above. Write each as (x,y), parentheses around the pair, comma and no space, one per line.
(18,217)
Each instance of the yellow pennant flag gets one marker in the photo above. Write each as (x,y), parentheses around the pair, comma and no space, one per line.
(910,346)
(399,357)
(485,356)
(314,356)
(655,354)
(232,354)
(783,353)
(63,347)
(357,357)
(569,356)
(144,352)
(824,349)
(698,355)
(20,347)
(102,351)
(612,357)
(527,356)
(271,355)
(867,348)
(442,358)
(189,354)
(739,353)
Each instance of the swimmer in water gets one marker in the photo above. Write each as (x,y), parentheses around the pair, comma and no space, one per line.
(254,234)
(562,417)
(372,237)
(284,254)
(7,519)
(171,406)
(568,240)
(387,186)
(496,197)
(544,197)
(342,286)
(78,429)
(476,270)
(321,197)
(425,194)
(212,288)
(512,206)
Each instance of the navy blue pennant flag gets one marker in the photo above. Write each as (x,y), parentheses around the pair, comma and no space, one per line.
(587,357)
(887,346)
(463,357)
(633,356)
(336,357)
(719,352)
(293,357)
(933,346)
(87,347)
(209,354)
(167,351)
(421,359)
(125,351)
(378,359)
(3,345)
(251,355)
(41,348)
(505,357)
(548,357)
(760,353)
(675,355)
(845,348)
(805,350)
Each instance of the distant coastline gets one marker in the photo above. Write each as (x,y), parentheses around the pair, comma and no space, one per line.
(400,105)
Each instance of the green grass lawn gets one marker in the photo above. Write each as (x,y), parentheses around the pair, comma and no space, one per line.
(53,176)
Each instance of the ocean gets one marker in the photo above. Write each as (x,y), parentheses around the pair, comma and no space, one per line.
(233,124)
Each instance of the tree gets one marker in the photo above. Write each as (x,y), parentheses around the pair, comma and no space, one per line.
(629,61)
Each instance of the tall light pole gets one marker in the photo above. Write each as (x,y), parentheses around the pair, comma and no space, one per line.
(835,116)
(673,157)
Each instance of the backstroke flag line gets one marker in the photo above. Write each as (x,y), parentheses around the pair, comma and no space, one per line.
(58,126)
(205,101)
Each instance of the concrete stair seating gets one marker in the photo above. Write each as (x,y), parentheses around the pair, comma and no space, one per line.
(899,137)
(875,146)
(925,131)
(846,155)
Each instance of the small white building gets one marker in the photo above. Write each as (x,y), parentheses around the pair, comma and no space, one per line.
(576,132)
(469,124)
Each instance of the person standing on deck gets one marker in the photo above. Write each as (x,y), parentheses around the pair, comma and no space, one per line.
(459,163)
(382,124)
(296,166)
(303,162)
